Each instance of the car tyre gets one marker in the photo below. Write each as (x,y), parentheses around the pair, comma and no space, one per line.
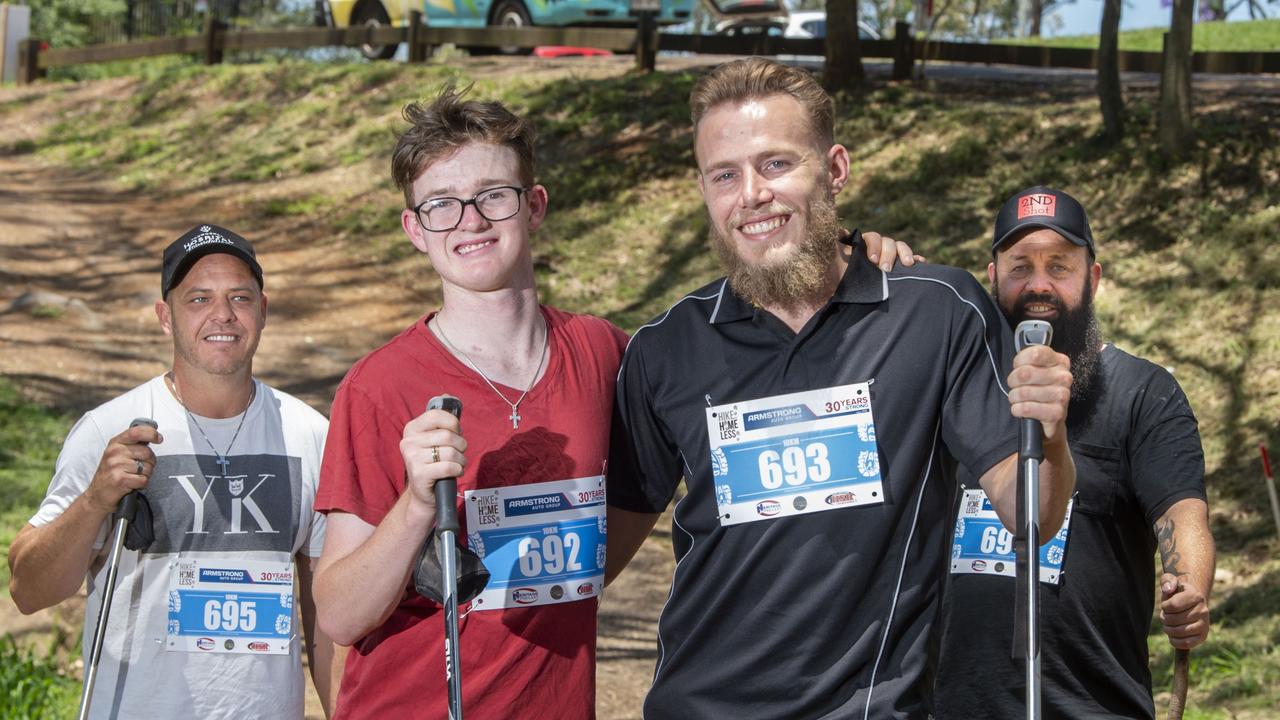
(374,15)
(512,13)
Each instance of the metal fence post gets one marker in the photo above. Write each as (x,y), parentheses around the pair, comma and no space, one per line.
(903,51)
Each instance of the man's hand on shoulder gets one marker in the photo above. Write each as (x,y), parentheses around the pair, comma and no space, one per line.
(884,250)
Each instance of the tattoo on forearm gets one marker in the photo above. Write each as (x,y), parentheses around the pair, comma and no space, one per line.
(1169,555)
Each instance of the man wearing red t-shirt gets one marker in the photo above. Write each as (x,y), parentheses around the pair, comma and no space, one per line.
(536,385)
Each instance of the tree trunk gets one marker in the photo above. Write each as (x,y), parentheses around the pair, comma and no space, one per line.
(1037,11)
(1109,90)
(843,68)
(1174,123)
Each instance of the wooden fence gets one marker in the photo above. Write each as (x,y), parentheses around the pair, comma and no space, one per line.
(35,59)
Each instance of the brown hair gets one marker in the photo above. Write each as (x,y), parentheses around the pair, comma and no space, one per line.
(755,78)
(448,123)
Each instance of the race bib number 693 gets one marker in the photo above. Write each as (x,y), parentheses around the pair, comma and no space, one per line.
(794,454)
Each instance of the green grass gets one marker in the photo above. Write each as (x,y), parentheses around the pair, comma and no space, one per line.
(30,438)
(33,686)
(1190,264)
(1220,36)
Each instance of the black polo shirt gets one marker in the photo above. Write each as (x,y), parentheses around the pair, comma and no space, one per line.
(1137,451)
(827,614)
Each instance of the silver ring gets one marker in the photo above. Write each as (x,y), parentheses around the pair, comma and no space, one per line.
(141,469)
(435,453)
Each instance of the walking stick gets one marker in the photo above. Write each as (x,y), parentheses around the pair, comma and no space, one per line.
(123,516)
(446,532)
(1181,669)
(1027,538)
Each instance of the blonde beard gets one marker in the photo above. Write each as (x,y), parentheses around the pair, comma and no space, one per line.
(794,280)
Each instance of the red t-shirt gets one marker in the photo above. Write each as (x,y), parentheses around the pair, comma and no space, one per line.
(536,662)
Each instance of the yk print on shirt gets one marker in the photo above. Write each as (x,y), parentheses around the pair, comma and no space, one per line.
(252,506)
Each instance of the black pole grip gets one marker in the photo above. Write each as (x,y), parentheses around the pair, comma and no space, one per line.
(1031,446)
(128,506)
(446,490)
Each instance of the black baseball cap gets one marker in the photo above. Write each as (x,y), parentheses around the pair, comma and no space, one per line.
(1042,207)
(199,241)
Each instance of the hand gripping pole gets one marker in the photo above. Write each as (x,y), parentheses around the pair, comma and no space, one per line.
(123,515)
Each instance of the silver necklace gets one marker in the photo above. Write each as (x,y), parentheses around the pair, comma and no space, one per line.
(514,417)
(222,460)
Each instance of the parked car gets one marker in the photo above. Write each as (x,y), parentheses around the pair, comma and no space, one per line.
(804,24)
(813,24)
(481,13)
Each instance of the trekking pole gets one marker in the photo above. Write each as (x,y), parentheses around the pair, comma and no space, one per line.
(123,516)
(1271,486)
(1027,537)
(447,529)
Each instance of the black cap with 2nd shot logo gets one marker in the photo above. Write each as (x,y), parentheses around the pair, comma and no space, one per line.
(1042,207)
(197,242)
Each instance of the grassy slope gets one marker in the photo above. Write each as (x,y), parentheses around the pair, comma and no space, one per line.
(30,437)
(1190,262)
(1221,36)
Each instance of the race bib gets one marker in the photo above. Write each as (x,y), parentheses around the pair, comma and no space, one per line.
(794,454)
(983,546)
(230,606)
(542,543)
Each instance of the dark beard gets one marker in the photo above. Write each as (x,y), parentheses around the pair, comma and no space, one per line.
(1075,334)
(789,283)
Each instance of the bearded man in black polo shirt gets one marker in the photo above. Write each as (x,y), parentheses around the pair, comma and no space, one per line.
(816,406)
(1140,481)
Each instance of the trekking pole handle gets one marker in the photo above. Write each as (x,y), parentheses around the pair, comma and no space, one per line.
(1031,332)
(128,506)
(446,489)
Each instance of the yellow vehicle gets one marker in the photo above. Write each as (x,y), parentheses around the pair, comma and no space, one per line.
(480,13)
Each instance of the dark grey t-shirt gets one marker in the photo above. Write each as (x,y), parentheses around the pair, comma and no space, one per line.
(1137,452)
(827,614)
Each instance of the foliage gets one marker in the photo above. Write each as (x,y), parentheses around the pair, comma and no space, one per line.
(73,23)
(30,437)
(1221,9)
(65,23)
(33,687)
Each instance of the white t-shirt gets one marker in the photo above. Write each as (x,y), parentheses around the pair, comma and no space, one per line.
(260,508)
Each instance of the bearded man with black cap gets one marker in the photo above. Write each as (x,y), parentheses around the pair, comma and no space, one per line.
(1139,485)
(205,621)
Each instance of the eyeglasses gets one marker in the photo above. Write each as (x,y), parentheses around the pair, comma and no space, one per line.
(441,214)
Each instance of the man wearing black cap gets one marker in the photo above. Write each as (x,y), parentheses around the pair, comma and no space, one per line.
(1139,485)
(205,618)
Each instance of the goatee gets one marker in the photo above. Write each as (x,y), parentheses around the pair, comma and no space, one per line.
(794,280)
(1075,334)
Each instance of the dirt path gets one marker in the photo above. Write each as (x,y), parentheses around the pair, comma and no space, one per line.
(78,280)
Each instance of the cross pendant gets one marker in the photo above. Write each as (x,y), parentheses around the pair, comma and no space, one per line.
(514,417)
(223,462)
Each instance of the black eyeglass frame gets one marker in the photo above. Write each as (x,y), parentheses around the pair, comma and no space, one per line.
(475,202)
